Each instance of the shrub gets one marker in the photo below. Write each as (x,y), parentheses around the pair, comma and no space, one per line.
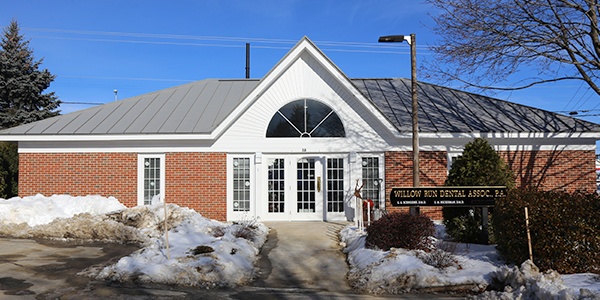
(564,229)
(400,230)
(439,259)
(479,165)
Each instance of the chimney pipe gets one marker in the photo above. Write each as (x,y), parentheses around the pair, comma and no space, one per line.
(247,60)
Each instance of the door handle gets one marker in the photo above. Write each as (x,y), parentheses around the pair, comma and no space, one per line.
(319,184)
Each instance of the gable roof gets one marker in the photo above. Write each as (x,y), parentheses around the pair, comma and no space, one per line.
(199,107)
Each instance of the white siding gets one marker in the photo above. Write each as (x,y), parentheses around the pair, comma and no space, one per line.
(305,79)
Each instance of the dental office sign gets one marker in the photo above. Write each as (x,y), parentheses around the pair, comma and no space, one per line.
(447,196)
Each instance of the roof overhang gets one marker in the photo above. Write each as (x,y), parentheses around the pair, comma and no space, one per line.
(208,137)
(506,135)
(100,138)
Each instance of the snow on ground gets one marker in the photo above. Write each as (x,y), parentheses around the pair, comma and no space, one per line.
(208,253)
(469,268)
(199,252)
(38,210)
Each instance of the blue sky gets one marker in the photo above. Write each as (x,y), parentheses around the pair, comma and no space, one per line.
(139,46)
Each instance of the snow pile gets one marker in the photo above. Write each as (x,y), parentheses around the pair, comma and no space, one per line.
(466,268)
(38,210)
(527,282)
(399,270)
(200,252)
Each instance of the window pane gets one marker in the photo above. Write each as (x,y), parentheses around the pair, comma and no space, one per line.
(371,180)
(335,185)
(306,185)
(241,184)
(275,185)
(305,118)
(151,179)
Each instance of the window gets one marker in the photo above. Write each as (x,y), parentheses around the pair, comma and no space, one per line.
(276,186)
(151,179)
(305,118)
(335,185)
(241,184)
(371,179)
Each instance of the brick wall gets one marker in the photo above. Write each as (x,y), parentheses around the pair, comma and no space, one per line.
(398,173)
(194,180)
(79,174)
(563,170)
(198,181)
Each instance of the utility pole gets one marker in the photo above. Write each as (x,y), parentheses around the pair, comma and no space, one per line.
(415,104)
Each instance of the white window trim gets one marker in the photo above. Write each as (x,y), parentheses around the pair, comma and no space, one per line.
(242,215)
(381,158)
(140,183)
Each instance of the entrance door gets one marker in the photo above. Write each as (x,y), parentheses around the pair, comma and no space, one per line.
(295,188)
(309,190)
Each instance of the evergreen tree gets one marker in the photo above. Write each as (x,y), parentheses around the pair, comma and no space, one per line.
(9,170)
(22,82)
(21,99)
(479,165)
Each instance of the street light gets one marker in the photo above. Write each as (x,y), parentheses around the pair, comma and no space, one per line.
(415,106)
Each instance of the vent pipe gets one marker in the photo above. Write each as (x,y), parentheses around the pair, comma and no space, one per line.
(247,60)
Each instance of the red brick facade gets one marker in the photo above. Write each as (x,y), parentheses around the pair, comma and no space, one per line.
(563,170)
(549,170)
(79,174)
(199,180)
(194,180)
(398,173)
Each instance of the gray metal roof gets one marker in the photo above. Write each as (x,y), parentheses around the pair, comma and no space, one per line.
(199,107)
(443,109)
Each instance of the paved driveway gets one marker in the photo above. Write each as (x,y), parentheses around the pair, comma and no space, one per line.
(300,261)
(304,255)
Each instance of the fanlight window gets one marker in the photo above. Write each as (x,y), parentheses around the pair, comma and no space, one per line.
(305,118)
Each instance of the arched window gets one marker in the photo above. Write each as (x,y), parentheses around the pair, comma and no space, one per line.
(305,118)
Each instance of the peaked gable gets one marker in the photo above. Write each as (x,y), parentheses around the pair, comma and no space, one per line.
(306,50)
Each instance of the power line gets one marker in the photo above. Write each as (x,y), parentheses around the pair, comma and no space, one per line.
(228,39)
(128,78)
(576,92)
(586,100)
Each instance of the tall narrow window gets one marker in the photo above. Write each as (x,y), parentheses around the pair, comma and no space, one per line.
(151,178)
(241,184)
(276,188)
(305,118)
(335,184)
(371,180)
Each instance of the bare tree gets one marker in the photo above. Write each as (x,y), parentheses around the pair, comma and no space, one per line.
(484,42)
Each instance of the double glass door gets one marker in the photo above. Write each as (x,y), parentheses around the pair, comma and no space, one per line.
(304,187)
